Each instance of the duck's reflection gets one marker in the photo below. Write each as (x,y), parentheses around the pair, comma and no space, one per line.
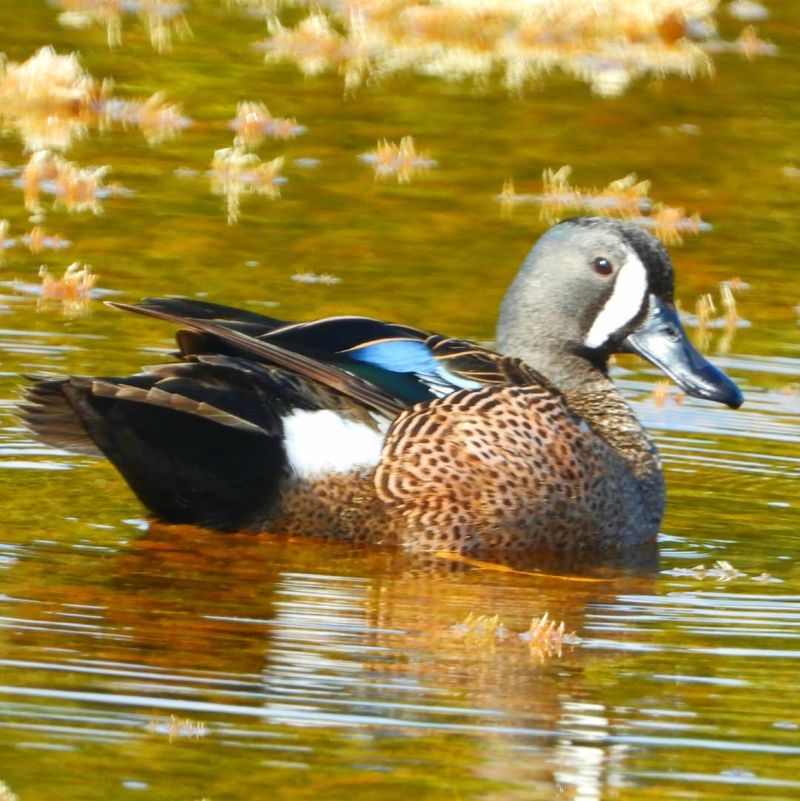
(362,647)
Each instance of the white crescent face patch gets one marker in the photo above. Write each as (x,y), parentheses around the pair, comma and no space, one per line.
(622,305)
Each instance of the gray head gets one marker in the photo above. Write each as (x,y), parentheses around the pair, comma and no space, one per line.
(593,286)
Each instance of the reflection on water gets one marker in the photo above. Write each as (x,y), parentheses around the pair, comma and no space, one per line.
(172,663)
(204,644)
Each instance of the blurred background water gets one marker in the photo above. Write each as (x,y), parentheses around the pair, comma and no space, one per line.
(153,662)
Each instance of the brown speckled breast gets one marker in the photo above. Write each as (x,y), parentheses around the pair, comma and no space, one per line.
(502,467)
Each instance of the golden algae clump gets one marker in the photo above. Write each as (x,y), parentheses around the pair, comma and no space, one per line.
(49,100)
(625,198)
(401,160)
(73,289)
(157,119)
(546,638)
(606,43)
(164,19)
(75,188)
(235,173)
(253,123)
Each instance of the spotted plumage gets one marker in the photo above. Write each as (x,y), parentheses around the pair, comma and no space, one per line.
(354,429)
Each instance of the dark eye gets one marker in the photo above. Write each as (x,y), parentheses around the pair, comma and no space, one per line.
(602,266)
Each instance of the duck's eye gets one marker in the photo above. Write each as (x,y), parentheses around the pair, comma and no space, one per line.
(602,266)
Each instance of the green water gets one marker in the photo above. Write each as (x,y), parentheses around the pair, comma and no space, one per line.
(306,671)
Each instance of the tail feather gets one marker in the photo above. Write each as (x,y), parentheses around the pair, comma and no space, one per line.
(49,416)
(190,450)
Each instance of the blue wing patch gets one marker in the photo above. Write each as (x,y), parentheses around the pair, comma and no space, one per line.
(411,356)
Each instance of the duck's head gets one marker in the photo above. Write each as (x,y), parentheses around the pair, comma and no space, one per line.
(592,286)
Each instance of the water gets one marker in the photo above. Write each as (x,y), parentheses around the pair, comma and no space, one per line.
(170,663)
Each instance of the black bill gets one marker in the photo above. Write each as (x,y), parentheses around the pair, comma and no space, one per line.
(662,341)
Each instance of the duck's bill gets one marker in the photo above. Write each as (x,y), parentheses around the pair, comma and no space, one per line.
(662,341)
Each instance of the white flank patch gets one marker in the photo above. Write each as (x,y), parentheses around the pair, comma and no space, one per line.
(322,442)
(622,306)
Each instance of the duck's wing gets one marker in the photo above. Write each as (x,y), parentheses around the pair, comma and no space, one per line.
(261,349)
(405,363)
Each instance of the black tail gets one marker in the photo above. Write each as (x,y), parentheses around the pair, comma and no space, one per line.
(199,442)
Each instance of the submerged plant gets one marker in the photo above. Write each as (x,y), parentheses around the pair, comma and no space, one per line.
(75,188)
(606,43)
(721,570)
(728,323)
(6,794)
(253,123)
(178,727)
(36,240)
(481,630)
(157,119)
(662,390)
(546,638)
(73,290)
(49,100)
(316,278)
(235,173)
(627,198)
(164,18)
(401,160)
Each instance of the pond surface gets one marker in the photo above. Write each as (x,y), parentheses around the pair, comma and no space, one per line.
(140,661)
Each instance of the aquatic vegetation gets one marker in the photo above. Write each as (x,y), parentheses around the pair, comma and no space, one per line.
(36,240)
(49,100)
(728,323)
(316,46)
(606,44)
(73,290)
(669,223)
(235,173)
(704,308)
(749,44)
(662,390)
(721,571)
(6,241)
(546,638)
(400,160)
(75,188)
(178,727)
(157,119)
(253,123)
(164,18)
(316,278)
(626,198)
(6,794)
(507,197)
(480,630)
(730,317)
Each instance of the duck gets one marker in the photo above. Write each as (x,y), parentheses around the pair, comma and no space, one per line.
(354,429)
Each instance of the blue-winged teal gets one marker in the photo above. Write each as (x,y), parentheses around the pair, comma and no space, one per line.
(352,428)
